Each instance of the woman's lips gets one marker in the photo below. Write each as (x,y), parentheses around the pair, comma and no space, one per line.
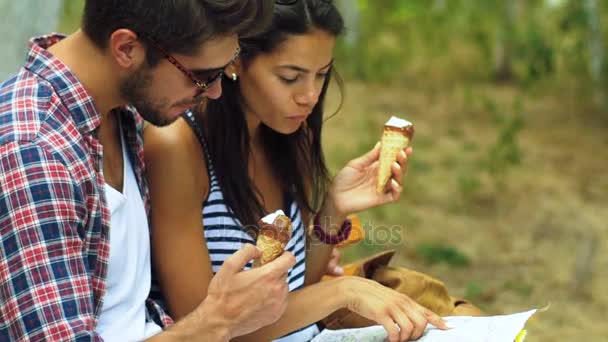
(298,118)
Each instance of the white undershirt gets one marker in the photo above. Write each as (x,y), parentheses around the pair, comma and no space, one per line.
(123,315)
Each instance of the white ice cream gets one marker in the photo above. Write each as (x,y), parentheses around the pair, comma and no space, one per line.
(271,217)
(397,122)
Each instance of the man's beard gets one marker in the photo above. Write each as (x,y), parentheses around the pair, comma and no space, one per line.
(134,91)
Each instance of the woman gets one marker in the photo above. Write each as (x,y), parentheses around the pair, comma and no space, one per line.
(258,149)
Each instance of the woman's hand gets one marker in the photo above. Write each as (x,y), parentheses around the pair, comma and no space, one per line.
(354,187)
(401,316)
(333,266)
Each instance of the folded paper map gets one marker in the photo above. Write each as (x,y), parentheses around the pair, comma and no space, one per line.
(505,328)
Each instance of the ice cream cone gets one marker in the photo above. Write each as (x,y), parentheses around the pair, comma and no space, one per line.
(396,137)
(275,232)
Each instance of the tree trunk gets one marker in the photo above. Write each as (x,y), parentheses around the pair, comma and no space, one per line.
(596,49)
(21,20)
(503,57)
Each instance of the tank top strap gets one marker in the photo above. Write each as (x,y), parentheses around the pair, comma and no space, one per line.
(196,127)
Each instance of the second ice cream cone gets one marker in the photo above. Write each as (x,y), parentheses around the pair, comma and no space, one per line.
(396,137)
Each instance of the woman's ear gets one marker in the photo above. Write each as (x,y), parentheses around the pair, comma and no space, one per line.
(236,67)
(233,71)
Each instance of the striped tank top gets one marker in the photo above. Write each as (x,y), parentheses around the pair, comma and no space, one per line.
(225,235)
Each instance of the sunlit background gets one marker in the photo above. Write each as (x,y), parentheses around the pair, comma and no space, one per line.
(506,198)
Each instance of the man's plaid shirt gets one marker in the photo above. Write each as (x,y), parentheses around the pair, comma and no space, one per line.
(54,220)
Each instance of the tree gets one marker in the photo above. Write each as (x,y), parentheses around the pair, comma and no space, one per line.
(503,61)
(596,49)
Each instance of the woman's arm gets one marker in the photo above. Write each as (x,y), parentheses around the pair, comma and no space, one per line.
(402,317)
(179,183)
(300,313)
(318,254)
(352,190)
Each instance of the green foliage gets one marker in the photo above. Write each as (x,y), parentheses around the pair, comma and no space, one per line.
(455,132)
(520,288)
(506,152)
(358,251)
(469,185)
(434,253)
(536,54)
(71,14)
(470,147)
(571,29)
(478,167)
(461,38)
(366,142)
(419,165)
(474,292)
(384,43)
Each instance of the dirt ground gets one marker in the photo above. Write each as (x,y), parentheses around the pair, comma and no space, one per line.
(523,237)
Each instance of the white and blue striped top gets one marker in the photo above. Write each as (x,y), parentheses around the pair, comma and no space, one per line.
(225,236)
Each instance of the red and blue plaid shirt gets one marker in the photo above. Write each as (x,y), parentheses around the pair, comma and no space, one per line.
(54,219)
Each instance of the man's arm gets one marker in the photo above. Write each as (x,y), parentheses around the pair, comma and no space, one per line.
(46,290)
(238,302)
(203,324)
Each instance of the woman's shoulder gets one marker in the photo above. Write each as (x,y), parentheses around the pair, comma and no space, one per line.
(175,152)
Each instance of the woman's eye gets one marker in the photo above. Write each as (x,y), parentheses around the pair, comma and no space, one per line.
(288,80)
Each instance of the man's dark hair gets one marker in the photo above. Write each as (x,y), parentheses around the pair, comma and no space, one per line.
(178,26)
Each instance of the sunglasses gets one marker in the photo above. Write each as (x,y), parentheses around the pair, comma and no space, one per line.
(203,80)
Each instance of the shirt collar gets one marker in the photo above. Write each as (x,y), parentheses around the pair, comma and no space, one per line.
(69,89)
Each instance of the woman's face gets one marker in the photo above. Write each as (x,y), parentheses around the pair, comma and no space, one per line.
(281,88)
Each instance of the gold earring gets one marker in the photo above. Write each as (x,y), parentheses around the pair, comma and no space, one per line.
(234,76)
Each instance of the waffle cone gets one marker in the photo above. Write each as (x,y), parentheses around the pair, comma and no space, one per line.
(272,239)
(393,141)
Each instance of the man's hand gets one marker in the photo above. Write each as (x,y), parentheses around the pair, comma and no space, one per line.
(249,300)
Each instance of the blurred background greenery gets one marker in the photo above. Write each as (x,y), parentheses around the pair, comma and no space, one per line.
(507,191)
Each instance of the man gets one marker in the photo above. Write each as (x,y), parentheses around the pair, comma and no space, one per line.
(74,241)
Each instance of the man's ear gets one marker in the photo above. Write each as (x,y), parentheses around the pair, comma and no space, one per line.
(126,49)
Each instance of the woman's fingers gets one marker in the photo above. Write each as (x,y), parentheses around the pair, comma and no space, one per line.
(396,190)
(403,156)
(391,329)
(367,159)
(409,150)
(402,317)
(396,172)
(434,319)
(421,316)
(406,327)
(333,267)
(398,169)
(418,322)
